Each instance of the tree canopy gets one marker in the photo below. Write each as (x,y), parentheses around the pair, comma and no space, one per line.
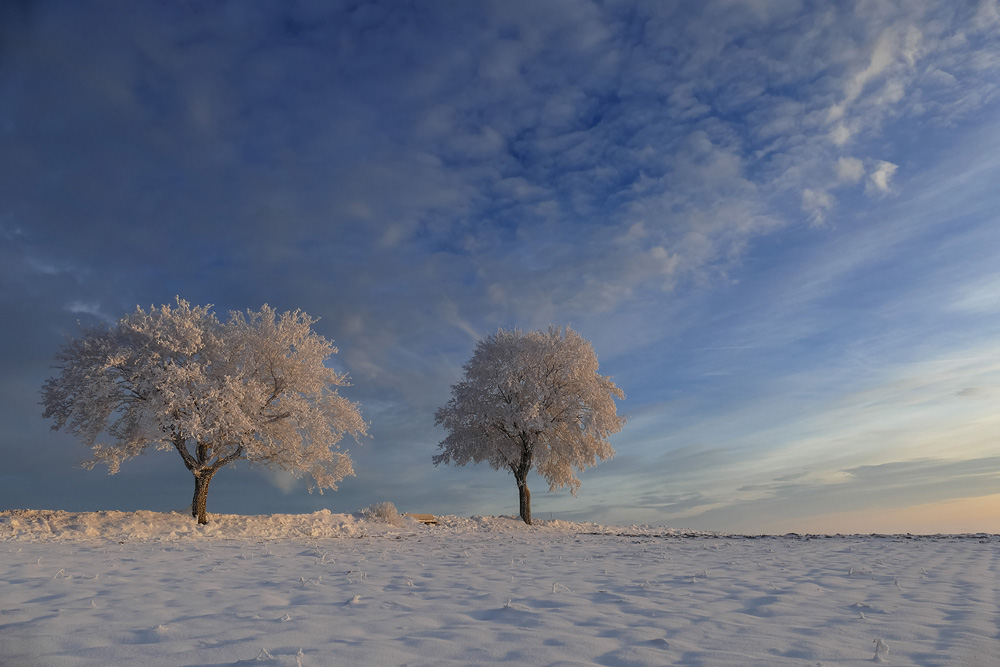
(254,387)
(531,401)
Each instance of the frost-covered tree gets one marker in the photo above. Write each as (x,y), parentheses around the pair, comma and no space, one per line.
(254,388)
(531,400)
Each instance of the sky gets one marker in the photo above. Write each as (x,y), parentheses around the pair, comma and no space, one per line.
(778,223)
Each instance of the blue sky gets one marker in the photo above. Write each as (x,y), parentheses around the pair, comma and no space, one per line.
(777,222)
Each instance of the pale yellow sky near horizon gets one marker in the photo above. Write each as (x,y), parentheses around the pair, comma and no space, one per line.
(955,516)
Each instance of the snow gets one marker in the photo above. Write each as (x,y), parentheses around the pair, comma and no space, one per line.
(154,589)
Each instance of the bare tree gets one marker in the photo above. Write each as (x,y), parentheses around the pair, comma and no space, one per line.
(253,388)
(531,400)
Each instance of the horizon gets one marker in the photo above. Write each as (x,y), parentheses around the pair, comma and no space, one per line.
(778,226)
(247,521)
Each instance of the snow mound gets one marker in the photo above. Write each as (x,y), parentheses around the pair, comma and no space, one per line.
(57,525)
(54,525)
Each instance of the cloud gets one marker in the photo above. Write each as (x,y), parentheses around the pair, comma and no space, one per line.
(869,498)
(850,170)
(817,203)
(840,134)
(677,505)
(980,296)
(891,60)
(976,393)
(880,177)
(883,54)
(91,308)
(491,132)
(284,481)
(987,15)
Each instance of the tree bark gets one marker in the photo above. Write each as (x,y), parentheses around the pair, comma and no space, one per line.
(199,506)
(524,496)
(521,475)
(202,473)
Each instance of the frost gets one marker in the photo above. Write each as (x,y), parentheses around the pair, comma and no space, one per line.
(176,378)
(531,401)
(384,512)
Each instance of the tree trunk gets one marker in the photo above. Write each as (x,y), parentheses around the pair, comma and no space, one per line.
(521,475)
(524,496)
(199,506)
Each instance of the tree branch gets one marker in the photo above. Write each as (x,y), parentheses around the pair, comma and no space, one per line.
(180,443)
(226,460)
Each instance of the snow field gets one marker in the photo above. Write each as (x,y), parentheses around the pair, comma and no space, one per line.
(486,590)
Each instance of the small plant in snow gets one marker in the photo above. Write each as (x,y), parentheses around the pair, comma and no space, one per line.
(381,512)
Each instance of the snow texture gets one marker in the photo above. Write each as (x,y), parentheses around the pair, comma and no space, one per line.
(144,588)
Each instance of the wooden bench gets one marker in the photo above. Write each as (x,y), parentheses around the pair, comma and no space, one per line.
(428,519)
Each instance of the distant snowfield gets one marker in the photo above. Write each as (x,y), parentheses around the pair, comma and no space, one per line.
(152,589)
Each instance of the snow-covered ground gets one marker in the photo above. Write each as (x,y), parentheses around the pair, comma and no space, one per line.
(150,589)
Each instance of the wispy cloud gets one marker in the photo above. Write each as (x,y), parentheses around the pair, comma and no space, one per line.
(879,179)
(850,169)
